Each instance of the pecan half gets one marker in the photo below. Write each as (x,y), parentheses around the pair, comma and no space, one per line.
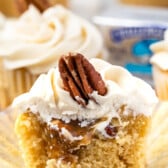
(80,78)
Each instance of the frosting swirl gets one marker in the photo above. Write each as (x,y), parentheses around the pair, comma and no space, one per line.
(49,98)
(160,49)
(35,41)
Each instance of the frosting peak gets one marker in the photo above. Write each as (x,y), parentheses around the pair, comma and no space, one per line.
(35,41)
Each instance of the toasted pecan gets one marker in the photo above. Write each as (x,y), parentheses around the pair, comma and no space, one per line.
(80,78)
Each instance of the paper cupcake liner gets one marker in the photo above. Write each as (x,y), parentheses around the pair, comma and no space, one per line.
(10,156)
(161,82)
(14,83)
(157,144)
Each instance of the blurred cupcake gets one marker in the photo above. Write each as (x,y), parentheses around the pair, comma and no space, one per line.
(160,67)
(33,43)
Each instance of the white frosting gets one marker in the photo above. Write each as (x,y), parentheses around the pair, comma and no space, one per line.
(36,41)
(160,49)
(49,99)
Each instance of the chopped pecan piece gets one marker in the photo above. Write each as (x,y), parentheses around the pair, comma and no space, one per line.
(80,78)
(111,131)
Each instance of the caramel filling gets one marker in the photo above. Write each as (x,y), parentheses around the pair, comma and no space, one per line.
(67,148)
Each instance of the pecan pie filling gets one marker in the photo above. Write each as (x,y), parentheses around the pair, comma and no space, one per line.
(81,137)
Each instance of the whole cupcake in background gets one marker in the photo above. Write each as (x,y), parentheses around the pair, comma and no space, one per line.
(159,60)
(33,43)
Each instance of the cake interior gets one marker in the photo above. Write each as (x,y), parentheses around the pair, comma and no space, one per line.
(42,146)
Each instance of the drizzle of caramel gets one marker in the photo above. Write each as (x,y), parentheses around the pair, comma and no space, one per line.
(75,129)
(66,148)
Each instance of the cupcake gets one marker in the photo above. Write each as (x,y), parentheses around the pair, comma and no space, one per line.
(84,114)
(33,43)
(159,60)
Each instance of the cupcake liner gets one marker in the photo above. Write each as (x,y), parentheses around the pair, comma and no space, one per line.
(157,144)
(10,156)
(14,83)
(161,82)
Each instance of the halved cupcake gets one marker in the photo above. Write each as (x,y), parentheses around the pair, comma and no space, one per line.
(85,114)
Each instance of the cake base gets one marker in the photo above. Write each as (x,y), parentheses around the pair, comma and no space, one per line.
(40,149)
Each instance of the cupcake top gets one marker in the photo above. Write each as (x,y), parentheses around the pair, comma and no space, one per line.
(160,49)
(51,98)
(35,41)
